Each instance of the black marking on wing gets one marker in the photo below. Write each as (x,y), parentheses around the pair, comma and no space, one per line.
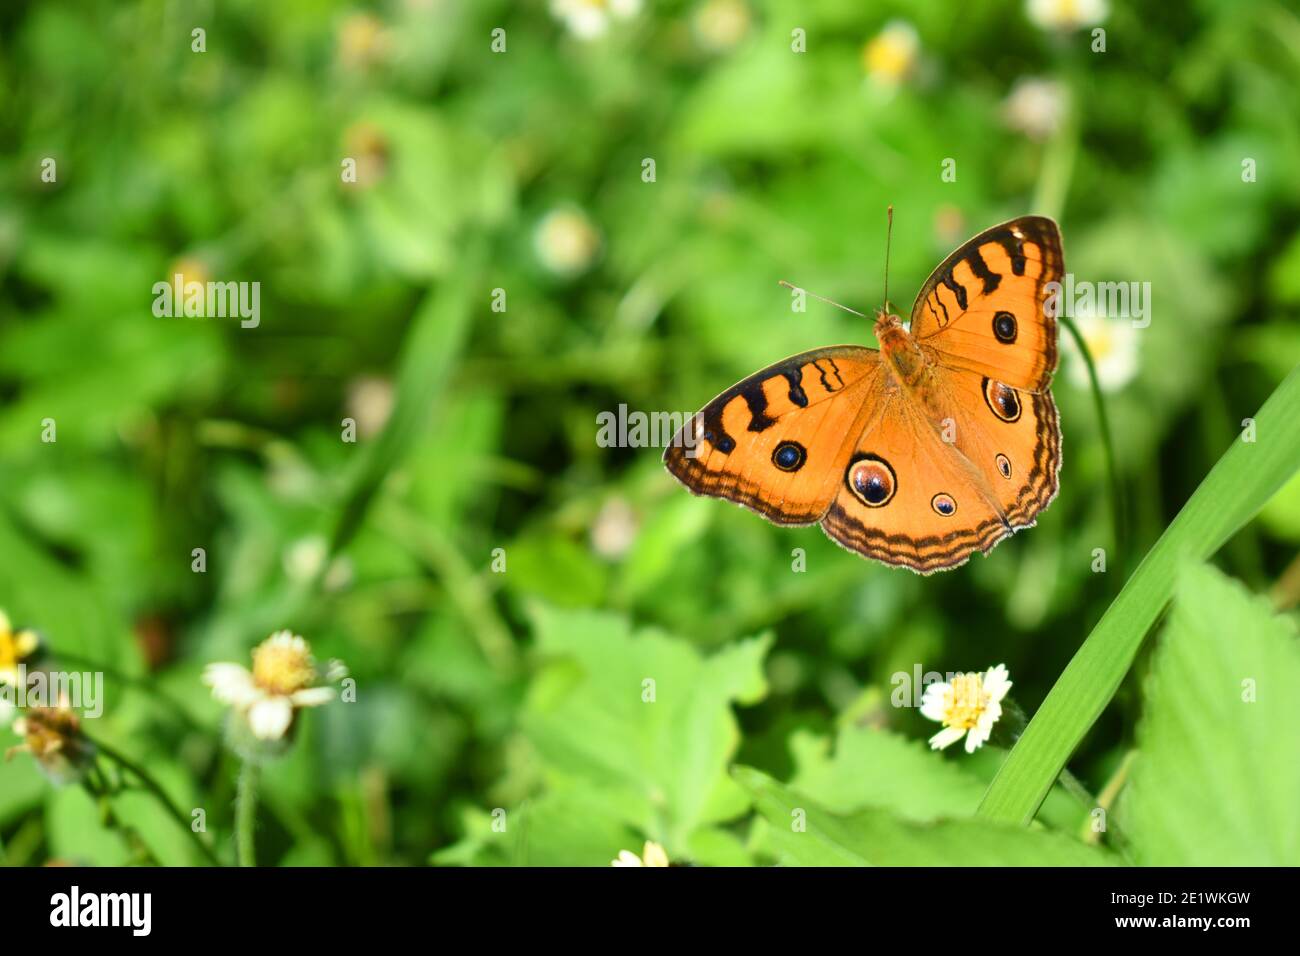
(1015,249)
(833,370)
(797,395)
(930,301)
(714,433)
(957,289)
(759,419)
(981,269)
(839,382)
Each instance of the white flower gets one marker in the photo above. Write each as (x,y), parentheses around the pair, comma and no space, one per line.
(1035,107)
(565,241)
(652,855)
(1066,14)
(1114,347)
(890,56)
(614,529)
(284,678)
(589,19)
(719,25)
(968,706)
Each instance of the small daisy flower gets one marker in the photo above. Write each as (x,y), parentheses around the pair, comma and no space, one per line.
(370,401)
(968,706)
(891,55)
(590,19)
(284,679)
(566,242)
(720,25)
(368,144)
(1113,344)
(614,529)
(652,855)
(1066,14)
(363,41)
(1035,107)
(15,647)
(52,735)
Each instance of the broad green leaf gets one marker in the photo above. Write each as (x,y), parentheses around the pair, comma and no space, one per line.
(875,768)
(656,752)
(807,834)
(1217,781)
(562,828)
(1247,475)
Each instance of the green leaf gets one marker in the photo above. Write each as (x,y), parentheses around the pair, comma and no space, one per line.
(807,834)
(658,765)
(1247,475)
(429,353)
(875,768)
(1218,775)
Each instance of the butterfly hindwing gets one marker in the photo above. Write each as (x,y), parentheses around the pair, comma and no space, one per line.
(773,441)
(905,498)
(984,308)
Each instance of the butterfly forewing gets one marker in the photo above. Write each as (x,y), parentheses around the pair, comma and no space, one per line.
(773,441)
(985,309)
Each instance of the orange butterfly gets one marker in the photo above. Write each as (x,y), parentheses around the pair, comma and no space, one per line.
(942,443)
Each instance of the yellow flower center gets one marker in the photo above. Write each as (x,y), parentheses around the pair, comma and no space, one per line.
(964,702)
(283,667)
(890,55)
(14,648)
(1100,339)
(8,651)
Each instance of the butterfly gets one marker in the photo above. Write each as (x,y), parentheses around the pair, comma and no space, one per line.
(941,443)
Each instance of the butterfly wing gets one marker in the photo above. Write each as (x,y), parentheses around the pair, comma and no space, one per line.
(905,498)
(974,453)
(984,310)
(777,441)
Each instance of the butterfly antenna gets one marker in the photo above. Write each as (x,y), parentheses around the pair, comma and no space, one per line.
(822,298)
(889,236)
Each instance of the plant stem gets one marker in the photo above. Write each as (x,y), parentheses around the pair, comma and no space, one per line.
(1108,446)
(159,794)
(246,814)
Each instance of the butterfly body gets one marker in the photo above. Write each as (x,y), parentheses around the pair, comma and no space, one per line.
(940,444)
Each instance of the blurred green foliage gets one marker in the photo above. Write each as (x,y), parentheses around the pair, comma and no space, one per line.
(522,171)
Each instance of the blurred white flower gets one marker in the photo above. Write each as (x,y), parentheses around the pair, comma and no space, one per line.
(652,855)
(614,529)
(284,679)
(967,706)
(890,56)
(369,403)
(363,41)
(720,25)
(1114,347)
(1067,14)
(565,241)
(305,557)
(1035,107)
(590,19)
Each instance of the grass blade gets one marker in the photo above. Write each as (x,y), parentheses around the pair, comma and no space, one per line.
(1232,493)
